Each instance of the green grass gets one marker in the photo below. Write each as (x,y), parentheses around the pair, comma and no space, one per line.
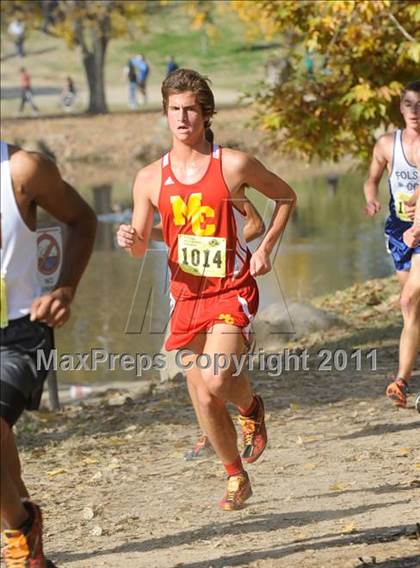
(227,56)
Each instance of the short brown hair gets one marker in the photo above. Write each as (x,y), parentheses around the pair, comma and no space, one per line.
(414,86)
(184,80)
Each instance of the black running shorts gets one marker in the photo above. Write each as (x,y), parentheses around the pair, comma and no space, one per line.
(21,383)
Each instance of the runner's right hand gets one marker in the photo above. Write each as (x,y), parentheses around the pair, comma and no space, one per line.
(411,237)
(372,207)
(52,308)
(127,237)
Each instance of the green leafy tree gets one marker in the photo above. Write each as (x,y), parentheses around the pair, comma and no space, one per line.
(88,24)
(363,54)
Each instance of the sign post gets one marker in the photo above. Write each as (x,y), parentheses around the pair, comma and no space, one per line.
(50,254)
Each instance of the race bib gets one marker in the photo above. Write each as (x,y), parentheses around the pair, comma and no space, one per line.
(202,256)
(400,199)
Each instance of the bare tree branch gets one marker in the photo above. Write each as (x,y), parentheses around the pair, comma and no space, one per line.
(400,27)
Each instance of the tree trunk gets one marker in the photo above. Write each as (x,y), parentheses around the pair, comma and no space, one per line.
(93,62)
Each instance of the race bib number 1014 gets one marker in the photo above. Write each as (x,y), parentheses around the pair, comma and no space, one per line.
(202,256)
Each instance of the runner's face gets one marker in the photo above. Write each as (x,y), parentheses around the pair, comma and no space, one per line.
(185,117)
(410,109)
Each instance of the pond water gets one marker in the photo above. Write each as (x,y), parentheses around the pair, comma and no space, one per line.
(329,244)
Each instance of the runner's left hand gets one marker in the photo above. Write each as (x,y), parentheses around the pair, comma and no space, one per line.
(412,237)
(52,309)
(260,263)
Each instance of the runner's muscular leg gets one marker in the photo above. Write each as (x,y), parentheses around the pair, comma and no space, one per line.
(193,375)
(15,466)
(218,386)
(227,339)
(402,276)
(193,378)
(13,513)
(214,417)
(410,307)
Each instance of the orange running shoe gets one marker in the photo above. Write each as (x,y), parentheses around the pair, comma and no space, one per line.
(24,550)
(254,433)
(237,492)
(398,391)
(202,449)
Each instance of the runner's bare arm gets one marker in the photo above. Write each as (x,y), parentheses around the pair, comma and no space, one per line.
(47,189)
(417,194)
(156,232)
(410,205)
(254,226)
(416,221)
(412,235)
(242,169)
(134,238)
(376,169)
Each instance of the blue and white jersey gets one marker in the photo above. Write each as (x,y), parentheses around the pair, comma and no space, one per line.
(402,183)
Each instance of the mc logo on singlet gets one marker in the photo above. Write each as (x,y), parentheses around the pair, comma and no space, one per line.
(196,212)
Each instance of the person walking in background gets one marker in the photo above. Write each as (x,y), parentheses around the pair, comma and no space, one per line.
(17,31)
(171,65)
(68,94)
(142,70)
(26,91)
(131,76)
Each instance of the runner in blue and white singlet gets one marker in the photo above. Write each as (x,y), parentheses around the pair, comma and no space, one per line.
(399,153)
(402,182)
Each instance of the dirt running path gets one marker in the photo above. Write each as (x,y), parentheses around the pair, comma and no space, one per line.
(340,480)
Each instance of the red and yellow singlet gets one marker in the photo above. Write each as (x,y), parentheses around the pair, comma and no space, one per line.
(208,259)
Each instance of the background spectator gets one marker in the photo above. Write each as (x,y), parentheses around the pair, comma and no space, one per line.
(171,65)
(17,31)
(142,69)
(68,94)
(131,75)
(26,91)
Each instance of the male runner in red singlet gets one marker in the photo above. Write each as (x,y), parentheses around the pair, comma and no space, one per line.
(253,228)
(197,188)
